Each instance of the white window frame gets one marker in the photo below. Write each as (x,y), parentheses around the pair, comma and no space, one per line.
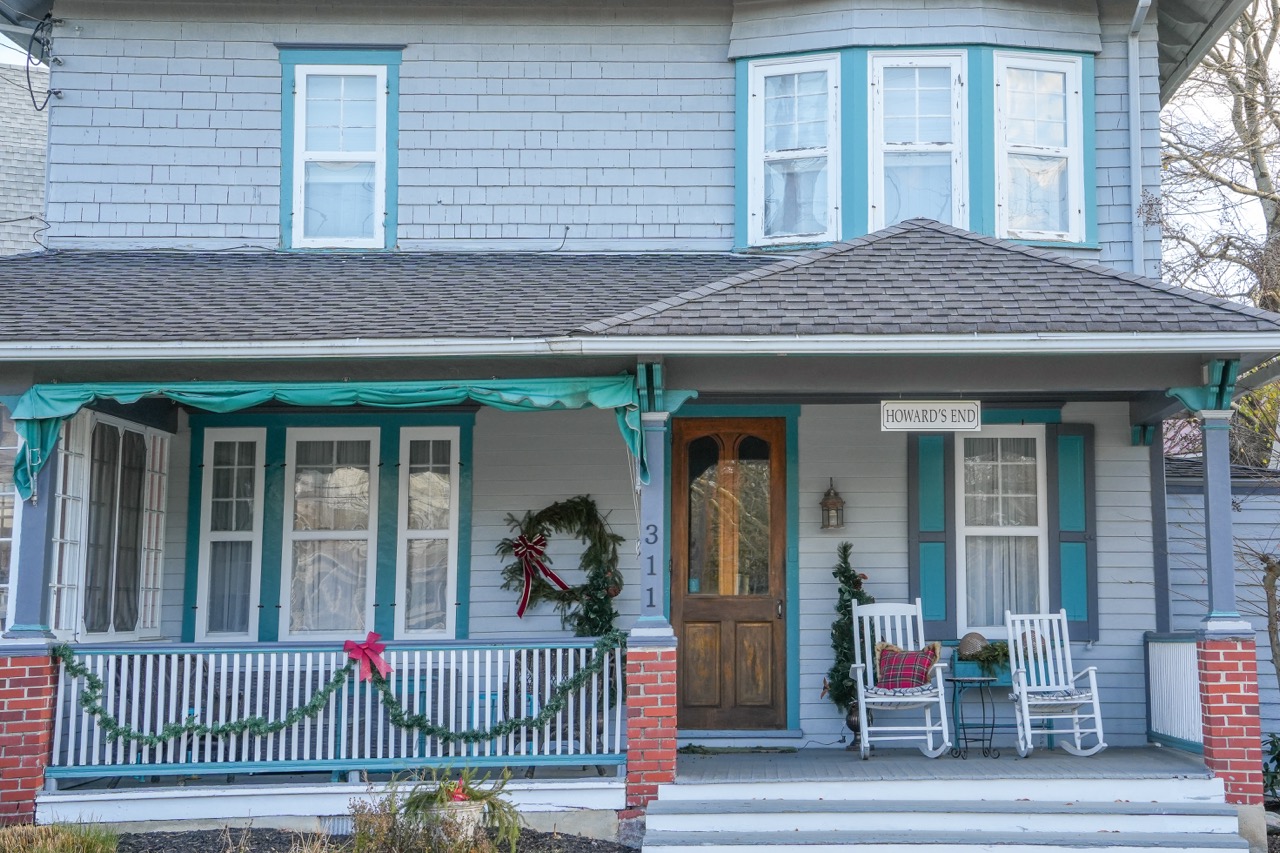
(301,156)
(258,436)
(963,530)
(370,534)
(72,530)
(758,71)
(956,62)
(14,542)
(404,534)
(1073,68)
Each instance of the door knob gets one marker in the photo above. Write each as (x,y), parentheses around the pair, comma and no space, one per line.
(779,608)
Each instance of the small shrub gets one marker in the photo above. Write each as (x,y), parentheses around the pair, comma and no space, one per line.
(1271,764)
(58,838)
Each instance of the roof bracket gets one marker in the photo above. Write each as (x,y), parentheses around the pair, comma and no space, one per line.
(1218,390)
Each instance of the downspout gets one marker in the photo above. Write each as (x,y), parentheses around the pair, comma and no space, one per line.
(1137,229)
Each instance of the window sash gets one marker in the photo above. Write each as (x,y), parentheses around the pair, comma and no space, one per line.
(409,534)
(246,540)
(341,550)
(955,150)
(303,156)
(821,195)
(1071,153)
(988,535)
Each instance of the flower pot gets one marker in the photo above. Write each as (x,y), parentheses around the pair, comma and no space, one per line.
(465,816)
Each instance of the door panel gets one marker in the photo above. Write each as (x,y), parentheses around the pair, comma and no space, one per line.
(728,571)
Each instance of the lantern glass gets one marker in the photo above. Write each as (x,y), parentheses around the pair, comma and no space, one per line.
(832,508)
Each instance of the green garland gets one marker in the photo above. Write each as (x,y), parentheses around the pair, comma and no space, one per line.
(587,608)
(112,729)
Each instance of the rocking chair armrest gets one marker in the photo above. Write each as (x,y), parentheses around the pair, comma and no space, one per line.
(1018,677)
(856,669)
(938,666)
(1088,670)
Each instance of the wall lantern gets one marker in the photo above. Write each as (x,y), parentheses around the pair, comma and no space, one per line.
(832,508)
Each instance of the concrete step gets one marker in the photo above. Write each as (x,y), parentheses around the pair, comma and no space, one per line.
(914,841)
(875,816)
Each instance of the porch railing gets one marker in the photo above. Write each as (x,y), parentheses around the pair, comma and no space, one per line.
(1173,690)
(464,686)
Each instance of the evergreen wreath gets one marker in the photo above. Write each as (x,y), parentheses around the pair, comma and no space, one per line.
(840,687)
(587,608)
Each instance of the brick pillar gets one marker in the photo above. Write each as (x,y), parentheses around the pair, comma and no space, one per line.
(1228,669)
(651,724)
(26,732)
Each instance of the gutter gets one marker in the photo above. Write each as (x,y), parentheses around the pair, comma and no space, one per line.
(1265,343)
(1137,229)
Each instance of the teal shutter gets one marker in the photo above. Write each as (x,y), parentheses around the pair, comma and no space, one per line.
(931,530)
(1073,544)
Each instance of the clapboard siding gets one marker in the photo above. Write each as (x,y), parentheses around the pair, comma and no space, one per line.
(762,27)
(1256,525)
(604,124)
(870,471)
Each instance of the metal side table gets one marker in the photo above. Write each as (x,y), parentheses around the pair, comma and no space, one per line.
(979,732)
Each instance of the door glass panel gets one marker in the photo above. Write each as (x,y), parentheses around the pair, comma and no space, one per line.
(705,503)
(752,490)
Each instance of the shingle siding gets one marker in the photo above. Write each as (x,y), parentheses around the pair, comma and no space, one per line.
(23,137)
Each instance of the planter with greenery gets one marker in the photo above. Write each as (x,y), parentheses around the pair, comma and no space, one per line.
(464,804)
(989,661)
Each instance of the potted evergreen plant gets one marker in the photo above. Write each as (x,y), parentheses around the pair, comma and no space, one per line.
(839,687)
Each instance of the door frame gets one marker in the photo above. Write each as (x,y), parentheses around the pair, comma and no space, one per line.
(791,553)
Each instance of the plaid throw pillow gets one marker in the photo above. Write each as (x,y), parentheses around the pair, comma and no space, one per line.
(897,669)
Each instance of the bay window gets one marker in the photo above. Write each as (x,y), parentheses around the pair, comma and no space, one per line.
(794,150)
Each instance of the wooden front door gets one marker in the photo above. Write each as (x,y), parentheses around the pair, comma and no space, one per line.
(728,580)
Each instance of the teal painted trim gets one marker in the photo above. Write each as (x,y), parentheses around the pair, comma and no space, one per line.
(1089,138)
(284,418)
(1022,416)
(933,580)
(694,409)
(332,646)
(1074,580)
(741,166)
(273,487)
(252,768)
(982,140)
(384,577)
(972,669)
(793,570)
(191,574)
(932,486)
(1072,500)
(666,522)
(290,58)
(462,617)
(1167,740)
(855,142)
(1151,637)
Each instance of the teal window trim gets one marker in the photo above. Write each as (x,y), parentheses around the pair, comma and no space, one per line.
(855,134)
(1035,415)
(277,426)
(791,414)
(290,59)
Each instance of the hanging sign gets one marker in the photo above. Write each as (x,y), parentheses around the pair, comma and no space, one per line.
(930,416)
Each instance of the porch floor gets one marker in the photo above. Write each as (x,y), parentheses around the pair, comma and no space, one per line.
(835,765)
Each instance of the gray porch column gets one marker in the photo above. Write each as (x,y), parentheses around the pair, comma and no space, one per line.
(30,588)
(1223,617)
(653,627)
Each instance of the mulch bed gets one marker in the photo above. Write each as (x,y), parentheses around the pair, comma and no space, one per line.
(279,841)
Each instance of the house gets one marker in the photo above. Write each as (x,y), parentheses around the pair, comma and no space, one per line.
(23,138)
(331,293)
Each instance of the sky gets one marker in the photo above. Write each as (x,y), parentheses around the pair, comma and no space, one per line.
(10,53)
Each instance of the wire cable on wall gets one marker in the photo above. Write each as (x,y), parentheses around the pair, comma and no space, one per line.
(42,35)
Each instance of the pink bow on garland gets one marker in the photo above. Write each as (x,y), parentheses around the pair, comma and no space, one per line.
(530,553)
(369,655)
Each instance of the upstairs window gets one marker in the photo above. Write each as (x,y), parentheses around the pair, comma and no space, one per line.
(1039,142)
(918,139)
(794,151)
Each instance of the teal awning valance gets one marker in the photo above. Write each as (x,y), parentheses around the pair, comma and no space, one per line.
(40,412)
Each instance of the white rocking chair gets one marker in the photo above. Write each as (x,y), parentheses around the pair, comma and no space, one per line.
(1046,688)
(902,625)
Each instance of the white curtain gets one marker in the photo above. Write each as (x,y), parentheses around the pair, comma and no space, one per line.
(1001,573)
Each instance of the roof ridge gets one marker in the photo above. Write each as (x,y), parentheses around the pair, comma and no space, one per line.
(721,285)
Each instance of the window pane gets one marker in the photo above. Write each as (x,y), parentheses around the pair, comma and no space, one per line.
(230,579)
(133,471)
(1038,193)
(429,485)
(426,581)
(795,111)
(104,454)
(752,500)
(1001,481)
(327,589)
(1001,573)
(1036,102)
(917,105)
(917,185)
(338,200)
(331,485)
(704,515)
(795,197)
(234,477)
(341,113)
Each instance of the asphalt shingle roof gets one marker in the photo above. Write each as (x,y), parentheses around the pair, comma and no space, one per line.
(919,277)
(922,277)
